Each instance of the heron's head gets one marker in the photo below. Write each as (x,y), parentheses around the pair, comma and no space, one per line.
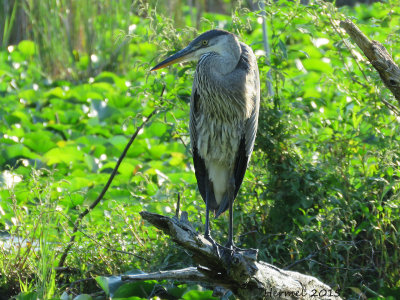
(216,40)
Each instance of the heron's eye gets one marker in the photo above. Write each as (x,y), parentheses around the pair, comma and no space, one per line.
(204,42)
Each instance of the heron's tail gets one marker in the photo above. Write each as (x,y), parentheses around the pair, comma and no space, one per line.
(223,205)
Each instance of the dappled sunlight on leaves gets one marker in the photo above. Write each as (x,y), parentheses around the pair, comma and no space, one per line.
(321,194)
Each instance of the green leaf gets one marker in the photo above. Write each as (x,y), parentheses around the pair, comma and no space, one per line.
(282,47)
(27,48)
(119,141)
(56,92)
(78,182)
(39,141)
(102,110)
(66,155)
(103,282)
(128,167)
(27,296)
(198,295)
(157,151)
(156,129)
(315,64)
(152,188)
(29,95)
(17,151)
(139,289)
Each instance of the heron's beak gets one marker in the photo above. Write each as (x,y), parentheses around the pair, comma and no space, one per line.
(185,54)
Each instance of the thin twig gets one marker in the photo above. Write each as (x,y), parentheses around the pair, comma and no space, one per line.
(391,107)
(101,195)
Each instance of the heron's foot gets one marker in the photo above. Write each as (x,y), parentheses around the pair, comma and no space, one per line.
(230,249)
(216,246)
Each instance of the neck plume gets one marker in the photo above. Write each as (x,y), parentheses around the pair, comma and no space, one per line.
(225,55)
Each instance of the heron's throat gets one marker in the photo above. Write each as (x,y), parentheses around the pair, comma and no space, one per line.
(226,59)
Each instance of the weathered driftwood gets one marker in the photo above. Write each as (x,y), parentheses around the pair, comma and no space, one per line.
(378,56)
(243,275)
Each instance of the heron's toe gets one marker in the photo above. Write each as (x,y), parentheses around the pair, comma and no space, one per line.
(230,249)
(216,246)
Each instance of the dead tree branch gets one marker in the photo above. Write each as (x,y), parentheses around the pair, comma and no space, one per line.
(243,275)
(378,56)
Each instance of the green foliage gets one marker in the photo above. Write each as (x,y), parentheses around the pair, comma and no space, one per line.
(330,151)
(321,195)
(117,289)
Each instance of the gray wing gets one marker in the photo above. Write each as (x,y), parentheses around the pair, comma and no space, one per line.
(200,170)
(252,122)
(249,63)
(245,148)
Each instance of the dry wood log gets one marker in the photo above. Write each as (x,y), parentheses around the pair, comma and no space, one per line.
(243,275)
(378,56)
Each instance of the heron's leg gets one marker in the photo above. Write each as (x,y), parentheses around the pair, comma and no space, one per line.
(207,234)
(207,226)
(230,247)
(230,243)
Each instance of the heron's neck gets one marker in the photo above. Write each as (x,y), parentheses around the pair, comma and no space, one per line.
(226,60)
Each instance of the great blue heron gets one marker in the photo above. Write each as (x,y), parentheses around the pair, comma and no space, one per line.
(224,108)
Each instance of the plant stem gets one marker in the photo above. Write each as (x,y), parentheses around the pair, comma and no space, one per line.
(101,195)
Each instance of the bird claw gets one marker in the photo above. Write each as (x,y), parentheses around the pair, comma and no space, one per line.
(229,250)
(216,246)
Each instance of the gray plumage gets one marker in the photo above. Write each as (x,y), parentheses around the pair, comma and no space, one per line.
(224,108)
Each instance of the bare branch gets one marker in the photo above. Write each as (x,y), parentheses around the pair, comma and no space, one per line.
(187,274)
(378,56)
(243,275)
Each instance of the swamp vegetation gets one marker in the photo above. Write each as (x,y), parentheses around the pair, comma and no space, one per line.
(321,195)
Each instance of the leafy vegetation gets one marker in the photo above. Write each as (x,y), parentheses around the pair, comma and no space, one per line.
(321,195)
